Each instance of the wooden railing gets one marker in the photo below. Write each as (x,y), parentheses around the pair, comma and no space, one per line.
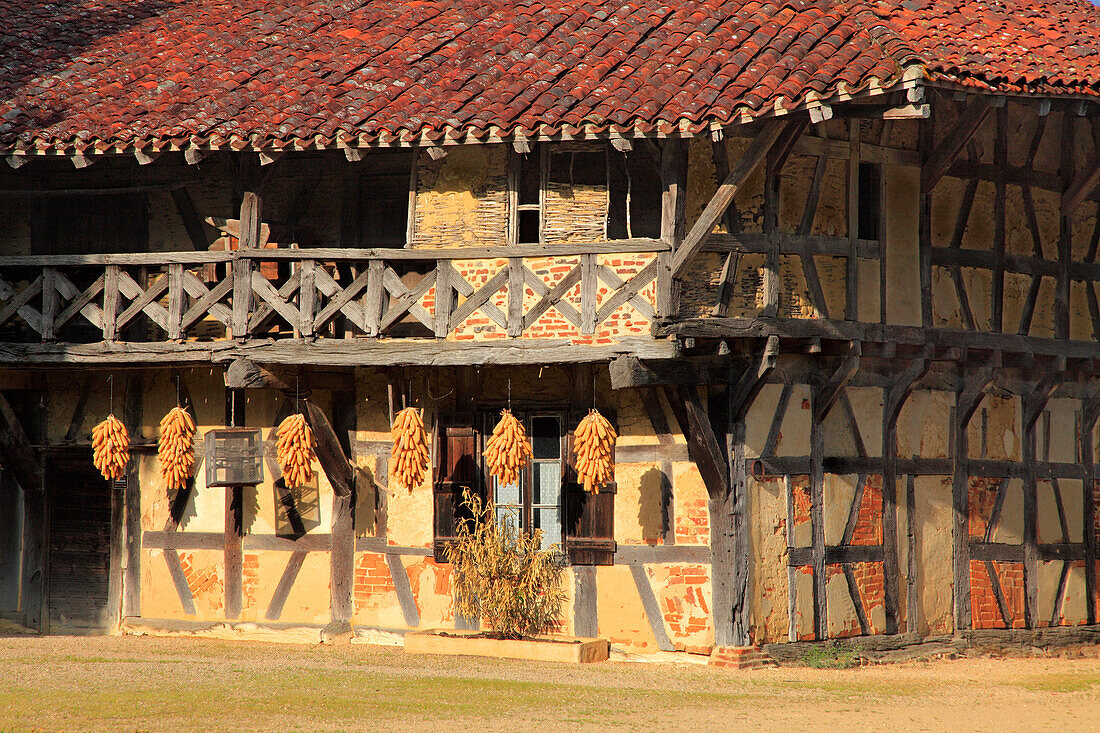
(303,293)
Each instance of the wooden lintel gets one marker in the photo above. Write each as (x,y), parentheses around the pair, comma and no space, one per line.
(952,143)
(768,136)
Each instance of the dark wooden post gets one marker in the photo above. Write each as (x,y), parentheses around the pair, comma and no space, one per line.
(131,502)
(967,399)
(234,554)
(673,224)
(250,215)
(817,515)
(1089,413)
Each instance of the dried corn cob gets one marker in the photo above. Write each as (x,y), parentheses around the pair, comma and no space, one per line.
(508,451)
(294,452)
(111,448)
(594,448)
(409,456)
(176,449)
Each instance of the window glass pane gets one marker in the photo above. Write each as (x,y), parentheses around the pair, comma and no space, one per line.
(506,493)
(547,488)
(549,521)
(545,437)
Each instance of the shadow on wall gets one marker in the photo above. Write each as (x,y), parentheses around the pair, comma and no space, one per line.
(655,506)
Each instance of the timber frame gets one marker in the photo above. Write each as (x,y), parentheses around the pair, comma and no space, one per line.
(277,313)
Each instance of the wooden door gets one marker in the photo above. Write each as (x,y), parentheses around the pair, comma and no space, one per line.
(80,537)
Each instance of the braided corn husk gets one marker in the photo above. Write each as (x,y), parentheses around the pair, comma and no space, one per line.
(295,453)
(176,448)
(594,448)
(111,448)
(508,451)
(409,457)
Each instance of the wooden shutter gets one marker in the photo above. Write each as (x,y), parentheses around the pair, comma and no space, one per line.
(589,518)
(459,469)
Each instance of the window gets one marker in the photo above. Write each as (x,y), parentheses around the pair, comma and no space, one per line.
(526,175)
(535,502)
(546,497)
(634,195)
(383,198)
(870,201)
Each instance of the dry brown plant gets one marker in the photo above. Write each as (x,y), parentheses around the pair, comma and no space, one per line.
(502,576)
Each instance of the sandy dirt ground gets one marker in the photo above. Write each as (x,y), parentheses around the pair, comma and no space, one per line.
(188,684)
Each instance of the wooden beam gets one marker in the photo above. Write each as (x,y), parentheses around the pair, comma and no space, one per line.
(16,450)
(817,517)
(703,445)
(836,383)
(198,231)
(1081,186)
(967,400)
(131,499)
(769,134)
(234,550)
(330,454)
(954,140)
(743,393)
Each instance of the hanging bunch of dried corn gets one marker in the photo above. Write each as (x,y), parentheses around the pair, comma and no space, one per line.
(295,450)
(508,451)
(409,456)
(176,448)
(594,448)
(111,448)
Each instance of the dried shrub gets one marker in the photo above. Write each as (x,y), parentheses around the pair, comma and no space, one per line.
(502,576)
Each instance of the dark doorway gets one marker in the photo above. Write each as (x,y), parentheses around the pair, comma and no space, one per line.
(80,542)
(11,546)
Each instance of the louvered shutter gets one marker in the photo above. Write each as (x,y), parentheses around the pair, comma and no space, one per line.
(589,518)
(459,469)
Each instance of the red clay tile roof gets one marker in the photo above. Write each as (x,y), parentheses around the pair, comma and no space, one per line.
(1029,46)
(99,74)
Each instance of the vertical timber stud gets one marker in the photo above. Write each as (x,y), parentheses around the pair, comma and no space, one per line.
(851,274)
(893,400)
(234,555)
(342,551)
(131,584)
(673,202)
(1090,411)
(817,516)
(967,400)
(1032,407)
(242,268)
(1065,230)
(1000,221)
(924,226)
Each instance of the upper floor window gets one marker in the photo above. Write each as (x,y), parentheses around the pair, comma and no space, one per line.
(631,182)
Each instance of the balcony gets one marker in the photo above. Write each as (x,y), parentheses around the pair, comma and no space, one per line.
(521,304)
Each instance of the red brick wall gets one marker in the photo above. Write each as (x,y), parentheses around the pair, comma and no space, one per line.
(205,582)
(684,604)
(870,582)
(982,494)
(983,603)
(869,523)
(250,581)
(372,578)
(692,522)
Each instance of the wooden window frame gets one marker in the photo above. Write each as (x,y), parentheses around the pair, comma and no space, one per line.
(515,161)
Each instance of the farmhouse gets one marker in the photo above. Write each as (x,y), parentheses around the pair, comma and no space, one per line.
(829,268)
